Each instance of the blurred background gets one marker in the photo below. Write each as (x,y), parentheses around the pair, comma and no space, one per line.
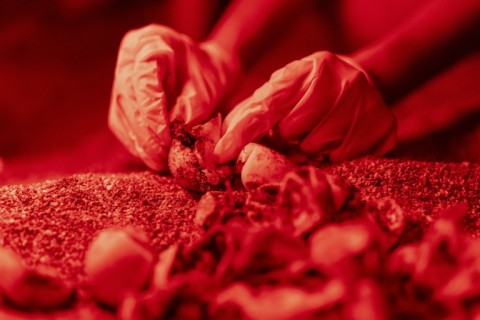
(57,60)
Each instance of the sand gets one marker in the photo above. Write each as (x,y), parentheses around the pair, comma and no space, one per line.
(51,223)
(425,188)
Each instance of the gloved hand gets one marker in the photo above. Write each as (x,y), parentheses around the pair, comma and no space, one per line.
(325,104)
(161,76)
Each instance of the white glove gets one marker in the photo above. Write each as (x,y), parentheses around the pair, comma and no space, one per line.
(162,75)
(324,103)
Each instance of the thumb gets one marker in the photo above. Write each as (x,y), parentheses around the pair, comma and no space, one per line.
(243,125)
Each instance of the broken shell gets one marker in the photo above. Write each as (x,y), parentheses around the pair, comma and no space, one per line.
(205,209)
(190,158)
(259,165)
(389,215)
(403,259)
(184,166)
(309,198)
(118,263)
(148,305)
(366,301)
(30,288)
(341,191)
(218,207)
(283,302)
(164,266)
(260,205)
(336,242)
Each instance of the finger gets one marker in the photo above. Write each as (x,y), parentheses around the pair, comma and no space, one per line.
(321,94)
(358,124)
(151,65)
(149,125)
(139,143)
(242,131)
(331,130)
(139,103)
(200,94)
(255,116)
(141,69)
(152,137)
(154,157)
(161,45)
(374,133)
(192,106)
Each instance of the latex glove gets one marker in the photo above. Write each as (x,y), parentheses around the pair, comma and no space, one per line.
(325,104)
(162,75)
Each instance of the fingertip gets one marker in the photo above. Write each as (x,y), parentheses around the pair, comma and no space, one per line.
(223,151)
(217,158)
(218,152)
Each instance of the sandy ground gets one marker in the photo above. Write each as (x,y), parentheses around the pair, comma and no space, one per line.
(52,222)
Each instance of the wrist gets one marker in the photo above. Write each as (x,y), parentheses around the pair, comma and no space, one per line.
(363,66)
(388,63)
(357,65)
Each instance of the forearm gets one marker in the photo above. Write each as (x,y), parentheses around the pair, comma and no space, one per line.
(194,21)
(410,51)
(249,25)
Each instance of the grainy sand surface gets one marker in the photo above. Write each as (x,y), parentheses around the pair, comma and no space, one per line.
(51,223)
